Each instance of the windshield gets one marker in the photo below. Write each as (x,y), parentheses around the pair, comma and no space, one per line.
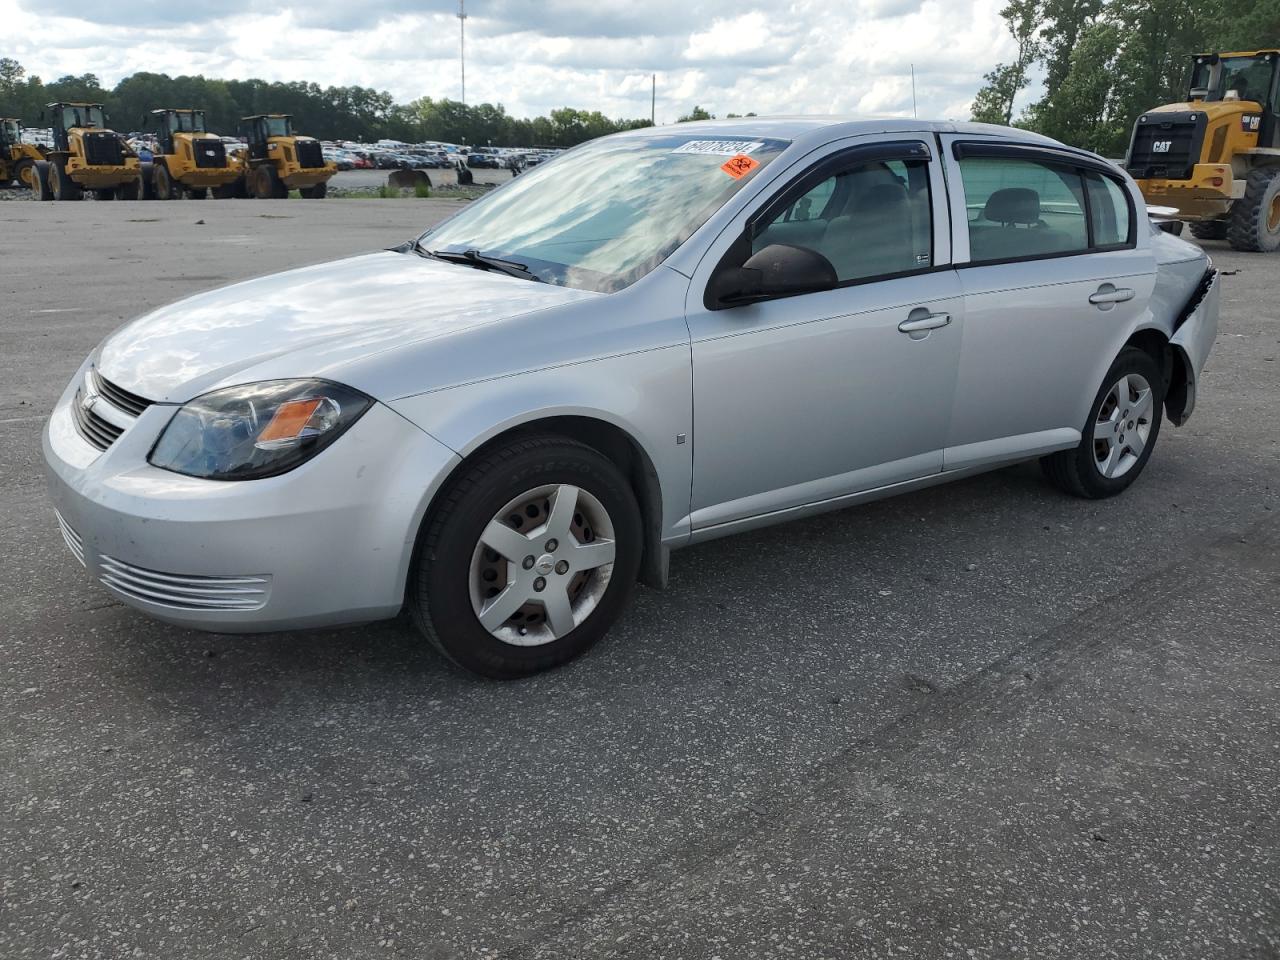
(601,216)
(1241,78)
(277,126)
(192,122)
(11,132)
(82,117)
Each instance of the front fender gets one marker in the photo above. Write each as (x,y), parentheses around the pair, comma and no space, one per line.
(647,395)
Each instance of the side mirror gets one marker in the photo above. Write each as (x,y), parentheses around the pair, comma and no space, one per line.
(779,270)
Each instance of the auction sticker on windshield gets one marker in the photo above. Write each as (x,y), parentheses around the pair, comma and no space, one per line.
(720,148)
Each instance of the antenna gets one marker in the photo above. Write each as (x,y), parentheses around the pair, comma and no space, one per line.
(653,102)
(914,112)
(462,46)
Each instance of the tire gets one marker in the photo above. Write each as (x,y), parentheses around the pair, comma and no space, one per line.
(147,181)
(225,192)
(165,187)
(40,189)
(521,483)
(62,186)
(197,193)
(104,193)
(318,192)
(129,190)
(267,185)
(1254,224)
(24,174)
(1209,229)
(1088,470)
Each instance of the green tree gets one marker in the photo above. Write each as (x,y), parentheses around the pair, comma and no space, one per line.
(994,102)
(697,113)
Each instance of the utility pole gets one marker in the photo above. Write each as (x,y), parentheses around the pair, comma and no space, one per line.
(462,46)
(914,112)
(653,102)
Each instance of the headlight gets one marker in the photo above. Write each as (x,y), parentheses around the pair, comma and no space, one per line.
(256,430)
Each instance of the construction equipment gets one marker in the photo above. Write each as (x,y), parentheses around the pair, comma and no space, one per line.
(17,159)
(86,156)
(189,159)
(1216,157)
(279,160)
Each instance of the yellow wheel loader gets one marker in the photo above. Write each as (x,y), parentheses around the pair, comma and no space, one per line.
(17,159)
(278,160)
(189,160)
(1216,157)
(86,156)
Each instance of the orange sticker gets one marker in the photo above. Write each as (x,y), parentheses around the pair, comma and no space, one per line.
(739,166)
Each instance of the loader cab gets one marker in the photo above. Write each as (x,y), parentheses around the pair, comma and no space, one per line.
(1248,77)
(260,129)
(69,116)
(10,133)
(173,122)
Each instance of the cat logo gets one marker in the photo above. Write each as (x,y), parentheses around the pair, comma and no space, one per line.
(1252,123)
(1162,146)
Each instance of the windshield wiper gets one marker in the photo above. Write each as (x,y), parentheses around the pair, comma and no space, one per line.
(481,261)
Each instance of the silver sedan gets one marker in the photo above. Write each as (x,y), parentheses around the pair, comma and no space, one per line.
(654,339)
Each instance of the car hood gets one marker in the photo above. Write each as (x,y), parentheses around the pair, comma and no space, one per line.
(316,319)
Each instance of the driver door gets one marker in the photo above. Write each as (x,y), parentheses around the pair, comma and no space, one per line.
(808,398)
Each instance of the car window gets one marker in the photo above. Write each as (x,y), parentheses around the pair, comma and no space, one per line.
(1109,206)
(870,220)
(1020,208)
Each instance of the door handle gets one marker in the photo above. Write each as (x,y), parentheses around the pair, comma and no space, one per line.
(922,323)
(1109,294)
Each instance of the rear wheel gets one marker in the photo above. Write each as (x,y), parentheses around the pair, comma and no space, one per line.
(318,192)
(104,193)
(197,193)
(1120,433)
(166,188)
(225,192)
(529,558)
(1255,217)
(267,185)
(60,182)
(129,190)
(40,189)
(25,173)
(1209,229)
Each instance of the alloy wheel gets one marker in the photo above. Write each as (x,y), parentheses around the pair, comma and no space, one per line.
(1123,426)
(542,565)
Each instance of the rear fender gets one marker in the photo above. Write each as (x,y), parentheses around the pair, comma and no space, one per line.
(1193,337)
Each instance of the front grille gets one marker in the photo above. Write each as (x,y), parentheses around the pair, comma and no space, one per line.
(74,543)
(130,403)
(103,149)
(99,432)
(209,154)
(181,592)
(309,153)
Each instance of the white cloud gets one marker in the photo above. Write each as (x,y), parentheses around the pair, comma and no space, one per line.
(770,56)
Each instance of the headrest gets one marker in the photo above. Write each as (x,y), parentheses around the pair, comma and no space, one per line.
(1013,205)
(881,197)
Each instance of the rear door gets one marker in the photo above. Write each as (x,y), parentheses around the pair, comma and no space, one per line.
(1054,279)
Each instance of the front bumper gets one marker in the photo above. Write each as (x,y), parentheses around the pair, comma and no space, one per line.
(1193,338)
(327,543)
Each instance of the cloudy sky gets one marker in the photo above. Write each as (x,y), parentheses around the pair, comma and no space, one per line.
(770,56)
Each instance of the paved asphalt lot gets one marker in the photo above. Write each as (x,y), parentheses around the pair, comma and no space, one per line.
(980,721)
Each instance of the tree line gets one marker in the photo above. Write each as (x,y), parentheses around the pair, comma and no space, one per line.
(1104,62)
(330,113)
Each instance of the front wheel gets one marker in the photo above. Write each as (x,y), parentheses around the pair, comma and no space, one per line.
(318,192)
(529,558)
(1255,217)
(1120,433)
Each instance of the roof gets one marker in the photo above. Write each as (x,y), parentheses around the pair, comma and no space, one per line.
(71,103)
(269,116)
(178,110)
(825,128)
